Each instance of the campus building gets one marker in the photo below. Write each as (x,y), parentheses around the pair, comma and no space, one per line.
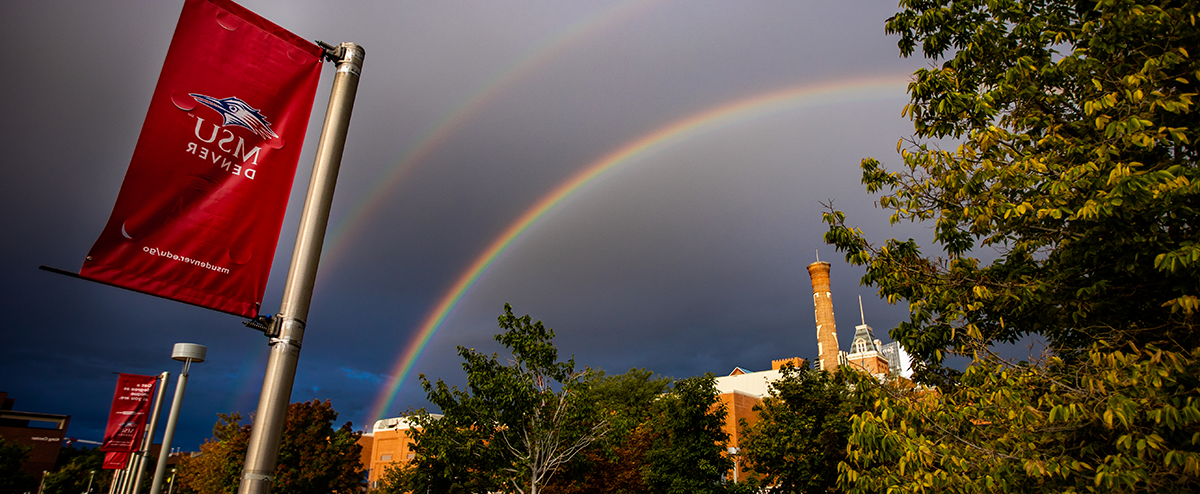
(741,390)
(388,441)
(388,445)
(43,431)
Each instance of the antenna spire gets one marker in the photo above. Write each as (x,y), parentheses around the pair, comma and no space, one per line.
(818,255)
(860,311)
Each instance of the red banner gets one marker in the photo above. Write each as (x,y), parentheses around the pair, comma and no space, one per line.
(115,461)
(130,409)
(199,213)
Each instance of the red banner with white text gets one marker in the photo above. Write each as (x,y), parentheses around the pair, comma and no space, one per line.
(115,461)
(130,409)
(199,213)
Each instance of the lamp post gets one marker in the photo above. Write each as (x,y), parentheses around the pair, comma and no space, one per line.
(186,353)
(733,453)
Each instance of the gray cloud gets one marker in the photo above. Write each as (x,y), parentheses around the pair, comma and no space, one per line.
(689,259)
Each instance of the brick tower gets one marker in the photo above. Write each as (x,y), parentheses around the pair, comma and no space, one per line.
(827,342)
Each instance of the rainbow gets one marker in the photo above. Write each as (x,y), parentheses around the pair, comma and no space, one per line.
(488,92)
(788,99)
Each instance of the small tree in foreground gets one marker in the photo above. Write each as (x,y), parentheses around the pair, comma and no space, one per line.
(687,452)
(79,468)
(12,478)
(513,426)
(801,432)
(615,463)
(313,456)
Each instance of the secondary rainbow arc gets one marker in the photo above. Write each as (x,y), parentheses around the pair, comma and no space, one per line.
(467,110)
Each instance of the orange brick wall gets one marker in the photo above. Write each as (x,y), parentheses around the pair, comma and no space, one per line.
(389,447)
(872,364)
(367,442)
(738,406)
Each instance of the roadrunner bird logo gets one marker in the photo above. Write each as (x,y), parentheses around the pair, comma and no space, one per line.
(237,112)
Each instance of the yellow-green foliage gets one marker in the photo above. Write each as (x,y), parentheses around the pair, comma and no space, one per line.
(1125,419)
(1059,139)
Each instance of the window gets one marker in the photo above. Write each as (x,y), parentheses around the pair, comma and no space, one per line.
(385,457)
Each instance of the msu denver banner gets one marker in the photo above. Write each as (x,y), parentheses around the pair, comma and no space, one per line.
(199,213)
(130,409)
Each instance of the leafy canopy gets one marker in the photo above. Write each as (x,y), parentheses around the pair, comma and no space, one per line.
(1067,209)
(1076,170)
(615,463)
(313,456)
(687,452)
(801,432)
(12,478)
(513,426)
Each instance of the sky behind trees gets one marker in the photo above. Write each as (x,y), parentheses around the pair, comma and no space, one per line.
(724,126)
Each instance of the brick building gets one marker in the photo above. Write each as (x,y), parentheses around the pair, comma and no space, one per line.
(388,445)
(43,431)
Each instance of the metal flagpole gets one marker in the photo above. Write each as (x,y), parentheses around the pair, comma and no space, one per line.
(126,477)
(116,481)
(287,328)
(149,441)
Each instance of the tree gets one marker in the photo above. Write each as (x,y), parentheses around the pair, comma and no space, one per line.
(801,432)
(687,452)
(615,463)
(217,469)
(513,426)
(1077,165)
(313,456)
(79,467)
(12,478)
(1119,420)
(1076,168)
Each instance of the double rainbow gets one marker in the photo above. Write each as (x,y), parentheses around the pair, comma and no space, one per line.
(790,99)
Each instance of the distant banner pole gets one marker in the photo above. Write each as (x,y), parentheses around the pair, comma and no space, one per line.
(148,442)
(287,327)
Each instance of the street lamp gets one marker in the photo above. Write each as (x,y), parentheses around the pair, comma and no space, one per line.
(186,353)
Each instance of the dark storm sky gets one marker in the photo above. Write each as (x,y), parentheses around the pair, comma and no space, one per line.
(688,259)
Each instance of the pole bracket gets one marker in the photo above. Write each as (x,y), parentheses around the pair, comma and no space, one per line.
(267,325)
(347,56)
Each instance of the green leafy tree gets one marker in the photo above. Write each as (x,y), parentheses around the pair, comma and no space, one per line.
(1077,165)
(79,467)
(616,462)
(217,469)
(687,452)
(313,456)
(801,432)
(1116,420)
(12,478)
(1074,171)
(513,426)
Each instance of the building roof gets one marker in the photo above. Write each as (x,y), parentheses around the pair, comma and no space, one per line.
(756,384)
